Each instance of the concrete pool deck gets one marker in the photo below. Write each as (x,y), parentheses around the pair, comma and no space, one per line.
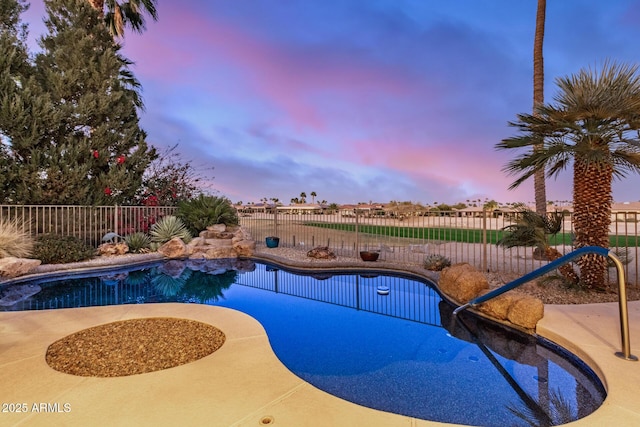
(243,383)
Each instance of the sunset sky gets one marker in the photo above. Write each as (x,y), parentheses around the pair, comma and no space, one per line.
(362,100)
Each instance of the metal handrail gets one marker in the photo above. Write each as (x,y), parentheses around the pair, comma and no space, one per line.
(622,291)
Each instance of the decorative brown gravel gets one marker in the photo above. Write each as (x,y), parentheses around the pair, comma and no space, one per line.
(133,347)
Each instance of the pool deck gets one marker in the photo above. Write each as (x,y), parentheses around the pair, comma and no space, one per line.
(244,384)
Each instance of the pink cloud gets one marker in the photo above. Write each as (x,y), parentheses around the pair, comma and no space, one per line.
(290,79)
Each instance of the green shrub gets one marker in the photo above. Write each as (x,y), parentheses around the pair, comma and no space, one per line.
(203,211)
(53,249)
(436,262)
(167,228)
(14,242)
(138,242)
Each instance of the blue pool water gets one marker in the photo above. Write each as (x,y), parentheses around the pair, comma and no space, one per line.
(400,352)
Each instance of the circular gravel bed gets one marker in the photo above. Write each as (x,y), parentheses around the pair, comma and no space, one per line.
(133,347)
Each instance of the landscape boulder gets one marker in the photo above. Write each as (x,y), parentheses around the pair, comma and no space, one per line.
(498,307)
(111,249)
(221,241)
(244,248)
(462,282)
(526,312)
(174,248)
(321,252)
(13,267)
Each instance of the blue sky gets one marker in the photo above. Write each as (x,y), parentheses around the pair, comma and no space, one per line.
(362,100)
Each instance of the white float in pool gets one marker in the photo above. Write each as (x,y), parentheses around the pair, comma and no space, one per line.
(383,290)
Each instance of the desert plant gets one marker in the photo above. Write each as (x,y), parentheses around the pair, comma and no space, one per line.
(167,228)
(138,242)
(203,211)
(436,262)
(54,249)
(14,241)
(534,230)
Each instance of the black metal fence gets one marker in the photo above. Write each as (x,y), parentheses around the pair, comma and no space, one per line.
(407,237)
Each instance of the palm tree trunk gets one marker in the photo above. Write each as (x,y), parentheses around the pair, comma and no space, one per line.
(592,216)
(538,98)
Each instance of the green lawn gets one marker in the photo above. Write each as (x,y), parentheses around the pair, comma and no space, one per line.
(453,234)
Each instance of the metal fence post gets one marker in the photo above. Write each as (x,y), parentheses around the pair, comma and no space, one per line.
(484,240)
(115,218)
(275,220)
(357,235)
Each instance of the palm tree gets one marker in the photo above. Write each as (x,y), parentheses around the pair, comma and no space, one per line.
(539,185)
(534,230)
(303,197)
(594,122)
(122,14)
(313,197)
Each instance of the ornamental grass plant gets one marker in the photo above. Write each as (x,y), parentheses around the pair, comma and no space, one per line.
(14,241)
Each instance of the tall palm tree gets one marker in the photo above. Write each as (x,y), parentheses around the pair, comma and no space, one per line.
(593,124)
(125,14)
(539,185)
(303,197)
(313,197)
(534,230)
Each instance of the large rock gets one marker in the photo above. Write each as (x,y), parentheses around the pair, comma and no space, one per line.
(220,241)
(217,231)
(241,234)
(174,248)
(499,306)
(462,282)
(244,248)
(221,252)
(449,275)
(321,252)
(526,312)
(112,249)
(14,267)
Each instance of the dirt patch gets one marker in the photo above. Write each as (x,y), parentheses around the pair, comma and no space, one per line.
(133,347)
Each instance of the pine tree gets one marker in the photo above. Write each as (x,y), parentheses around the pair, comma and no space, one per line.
(85,144)
(14,71)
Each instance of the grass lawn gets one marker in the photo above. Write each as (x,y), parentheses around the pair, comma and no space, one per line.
(454,234)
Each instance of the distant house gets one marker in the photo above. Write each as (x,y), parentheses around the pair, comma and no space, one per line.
(302,209)
(362,210)
(252,208)
(470,212)
(626,211)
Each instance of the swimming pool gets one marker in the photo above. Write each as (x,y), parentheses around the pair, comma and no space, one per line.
(398,352)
